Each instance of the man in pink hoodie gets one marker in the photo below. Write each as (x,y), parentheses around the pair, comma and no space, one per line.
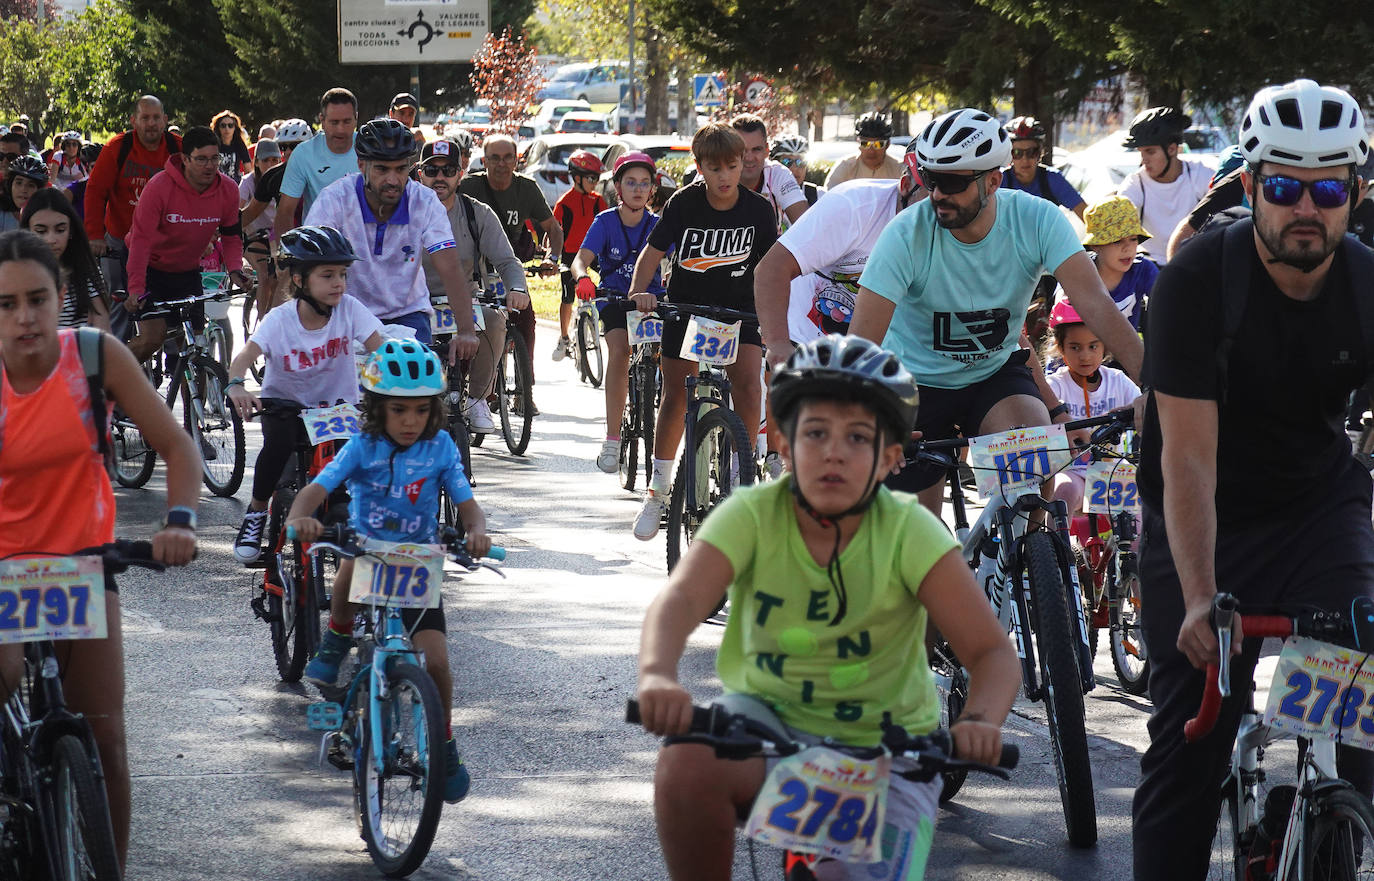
(178,217)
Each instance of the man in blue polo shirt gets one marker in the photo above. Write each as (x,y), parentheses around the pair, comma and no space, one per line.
(318,162)
(1029,174)
(392,222)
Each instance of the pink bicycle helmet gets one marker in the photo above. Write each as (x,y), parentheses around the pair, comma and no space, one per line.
(633,159)
(1064,313)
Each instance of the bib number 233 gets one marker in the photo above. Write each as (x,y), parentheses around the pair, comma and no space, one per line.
(824,802)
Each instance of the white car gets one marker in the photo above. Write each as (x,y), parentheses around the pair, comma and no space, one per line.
(547,160)
(595,82)
(551,111)
(584,123)
(659,148)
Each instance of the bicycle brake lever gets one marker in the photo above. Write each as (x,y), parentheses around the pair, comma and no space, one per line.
(1223,619)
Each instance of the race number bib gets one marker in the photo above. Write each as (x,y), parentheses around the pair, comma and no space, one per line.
(442,321)
(1111,487)
(710,342)
(643,328)
(822,801)
(407,575)
(52,598)
(1019,459)
(339,422)
(1323,690)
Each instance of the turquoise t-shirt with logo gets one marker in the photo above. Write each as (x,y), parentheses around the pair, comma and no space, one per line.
(960,308)
(779,646)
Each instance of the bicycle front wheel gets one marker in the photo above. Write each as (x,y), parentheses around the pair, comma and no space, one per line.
(951,683)
(217,341)
(216,426)
(400,802)
(1228,859)
(1057,645)
(1337,835)
(515,391)
(133,458)
(590,358)
(1129,657)
(86,845)
(720,460)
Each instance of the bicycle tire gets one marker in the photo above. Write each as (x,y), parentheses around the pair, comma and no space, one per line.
(86,844)
(133,460)
(1130,659)
(648,412)
(720,438)
(627,462)
(462,439)
(281,617)
(218,344)
(1339,832)
(213,423)
(296,628)
(250,324)
(1057,643)
(398,848)
(515,392)
(590,357)
(944,665)
(1229,854)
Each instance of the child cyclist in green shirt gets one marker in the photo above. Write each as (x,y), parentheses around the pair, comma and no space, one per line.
(831,577)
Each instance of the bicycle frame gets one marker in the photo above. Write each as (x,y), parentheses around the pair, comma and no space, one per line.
(708,387)
(393,647)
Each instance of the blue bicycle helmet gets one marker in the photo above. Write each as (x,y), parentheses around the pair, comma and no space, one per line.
(404,369)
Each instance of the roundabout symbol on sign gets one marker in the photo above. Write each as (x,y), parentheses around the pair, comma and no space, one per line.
(419,24)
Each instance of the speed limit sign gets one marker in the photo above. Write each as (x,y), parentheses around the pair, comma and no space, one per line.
(756,92)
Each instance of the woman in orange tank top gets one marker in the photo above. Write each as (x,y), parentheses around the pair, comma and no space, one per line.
(54,493)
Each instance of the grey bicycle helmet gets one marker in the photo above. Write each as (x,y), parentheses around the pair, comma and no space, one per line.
(463,138)
(384,140)
(1157,127)
(963,140)
(1303,124)
(788,145)
(850,368)
(873,126)
(313,245)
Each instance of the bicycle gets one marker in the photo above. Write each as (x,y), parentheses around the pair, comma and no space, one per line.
(1320,828)
(54,816)
(515,388)
(591,361)
(256,245)
(717,451)
(645,333)
(295,584)
(200,383)
(1006,555)
(387,724)
(850,797)
(218,337)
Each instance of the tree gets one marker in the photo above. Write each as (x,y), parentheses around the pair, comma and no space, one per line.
(98,70)
(507,75)
(185,58)
(26,70)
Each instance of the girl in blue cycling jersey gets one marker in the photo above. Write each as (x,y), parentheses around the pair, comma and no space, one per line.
(393,470)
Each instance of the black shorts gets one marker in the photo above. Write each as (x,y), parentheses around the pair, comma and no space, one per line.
(569,286)
(163,286)
(416,620)
(945,413)
(614,315)
(674,329)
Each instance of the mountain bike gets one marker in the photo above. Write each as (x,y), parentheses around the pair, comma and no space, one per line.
(387,724)
(257,251)
(780,815)
(645,332)
(219,340)
(1030,577)
(591,361)
(1320,828)
(199,382)
(717,449)
(295,584)
(54,816)
(443,326)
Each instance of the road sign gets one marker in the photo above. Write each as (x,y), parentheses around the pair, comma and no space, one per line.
(411,31)
(757,91)
(708,90)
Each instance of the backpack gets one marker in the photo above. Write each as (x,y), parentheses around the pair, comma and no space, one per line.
(88,344)
(126,146)
(471,214)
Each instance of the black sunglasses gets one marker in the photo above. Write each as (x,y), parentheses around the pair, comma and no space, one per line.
(949,184)
(1025,152)
(1328,192)
(436,170)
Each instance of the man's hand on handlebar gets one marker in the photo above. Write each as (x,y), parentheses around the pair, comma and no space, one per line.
(586,288)
(174,546)
(462,347)
(547,268)
(665,707)
(976,740)
(517,299)
(1197,638)
(239,279)
(644,302)
(778,355)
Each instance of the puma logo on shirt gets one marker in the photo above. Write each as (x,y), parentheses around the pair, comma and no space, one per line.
(707,249)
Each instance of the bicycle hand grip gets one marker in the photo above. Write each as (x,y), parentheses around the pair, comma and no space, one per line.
(291,533)
(496,553)
(1201,725)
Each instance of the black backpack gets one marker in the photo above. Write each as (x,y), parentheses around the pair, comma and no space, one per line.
(126,146)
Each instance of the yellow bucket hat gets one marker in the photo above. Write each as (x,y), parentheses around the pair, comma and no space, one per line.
(1111,220)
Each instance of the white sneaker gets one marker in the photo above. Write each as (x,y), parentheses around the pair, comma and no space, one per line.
(609,459)
(562,349)
(478,415)
(646,524)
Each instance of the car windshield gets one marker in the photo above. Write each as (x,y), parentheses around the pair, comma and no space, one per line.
(476,116)
(568,76)
(583,125)
(560,154)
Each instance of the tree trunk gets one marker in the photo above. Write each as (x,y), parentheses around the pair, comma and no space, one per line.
(655,84)
(686,108)
(818,121)
(1164,94)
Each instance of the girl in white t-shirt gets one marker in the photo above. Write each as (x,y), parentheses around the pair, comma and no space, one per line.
(1084,386)
(308,347)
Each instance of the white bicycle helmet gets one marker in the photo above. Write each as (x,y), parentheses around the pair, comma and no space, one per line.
(293,131)
(963,140)
(1303,124)
(786,145)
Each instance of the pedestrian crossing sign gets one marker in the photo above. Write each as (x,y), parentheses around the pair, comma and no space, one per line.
(709,90)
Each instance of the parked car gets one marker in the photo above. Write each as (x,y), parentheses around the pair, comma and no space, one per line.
(547,160)
(590,123)
(551,111)
(597,82)
(659,148)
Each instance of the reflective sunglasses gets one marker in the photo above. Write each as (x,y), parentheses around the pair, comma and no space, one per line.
(791,161)
(949,184)
(1025,153)
(1287,191)
(873,145)
(636,184)
(436,170)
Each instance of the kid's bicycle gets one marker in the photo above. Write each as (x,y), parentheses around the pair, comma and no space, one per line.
(591,361)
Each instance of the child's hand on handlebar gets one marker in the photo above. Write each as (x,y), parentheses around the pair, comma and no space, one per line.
(477,543)
(977,741)
(244,401)
(174,545)
(665,707)
(307,528)
(644,302)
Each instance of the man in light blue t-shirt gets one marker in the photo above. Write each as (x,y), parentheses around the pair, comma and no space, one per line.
(320,161)
(947,286)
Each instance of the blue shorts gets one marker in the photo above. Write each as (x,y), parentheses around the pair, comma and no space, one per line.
(416,321)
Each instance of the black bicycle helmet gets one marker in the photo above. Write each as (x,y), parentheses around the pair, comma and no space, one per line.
(873,127)
(30,167)
(1157,127)
(313,245)
(384,140)
(853,369)
(90,153)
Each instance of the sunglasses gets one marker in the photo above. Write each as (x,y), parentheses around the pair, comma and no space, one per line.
(1027,153)
(436,170)
(873,145)
(1287,191)
(791,161)
(636,184)
(949,184)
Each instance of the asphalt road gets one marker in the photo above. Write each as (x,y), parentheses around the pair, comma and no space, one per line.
(227,779)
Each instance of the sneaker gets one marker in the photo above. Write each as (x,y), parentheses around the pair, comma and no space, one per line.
(248,544)
(773,467)
(458,780)
(609,459)
(478,415)
(650,516)
(323,669)
(562,349)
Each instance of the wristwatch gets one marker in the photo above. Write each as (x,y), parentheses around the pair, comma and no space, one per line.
(182,518)
(1062,408)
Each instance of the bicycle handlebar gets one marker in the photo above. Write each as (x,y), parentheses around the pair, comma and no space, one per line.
(121,553)
(1109,427)
(351,543)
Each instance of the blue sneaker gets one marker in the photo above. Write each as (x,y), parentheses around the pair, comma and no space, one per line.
(456,786)
(323,669)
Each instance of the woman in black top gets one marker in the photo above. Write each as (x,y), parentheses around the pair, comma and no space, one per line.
(234,159)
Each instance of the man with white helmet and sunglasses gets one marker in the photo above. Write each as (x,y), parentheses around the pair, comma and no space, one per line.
(948,282)
(1258,333)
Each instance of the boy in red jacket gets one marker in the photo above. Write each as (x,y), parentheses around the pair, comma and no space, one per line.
(178,217)
(575,210)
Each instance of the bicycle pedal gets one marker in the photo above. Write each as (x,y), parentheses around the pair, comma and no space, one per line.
(324,716)
(259,606)
(336,748)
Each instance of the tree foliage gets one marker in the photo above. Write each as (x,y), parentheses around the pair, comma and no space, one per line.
(506,73)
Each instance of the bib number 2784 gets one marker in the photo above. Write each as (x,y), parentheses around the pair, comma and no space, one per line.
(824,802)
